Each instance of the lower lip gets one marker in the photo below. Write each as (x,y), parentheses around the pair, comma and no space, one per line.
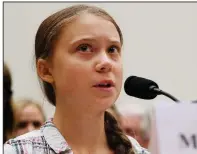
(109,89)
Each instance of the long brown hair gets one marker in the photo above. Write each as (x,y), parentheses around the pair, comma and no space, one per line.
(46,37)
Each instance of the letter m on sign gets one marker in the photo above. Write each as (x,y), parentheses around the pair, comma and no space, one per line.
(188,141)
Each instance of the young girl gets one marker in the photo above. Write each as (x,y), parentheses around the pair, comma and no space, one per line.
(78,59)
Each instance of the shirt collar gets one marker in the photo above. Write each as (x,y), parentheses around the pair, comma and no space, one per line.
(54,138)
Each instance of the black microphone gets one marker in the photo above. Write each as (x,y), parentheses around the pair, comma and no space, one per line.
(144,88)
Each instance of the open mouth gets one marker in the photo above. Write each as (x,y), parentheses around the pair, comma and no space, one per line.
(105,84)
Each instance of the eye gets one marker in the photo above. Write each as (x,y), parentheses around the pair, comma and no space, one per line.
(37,124)
(113,49)
(84,48)
(22,124)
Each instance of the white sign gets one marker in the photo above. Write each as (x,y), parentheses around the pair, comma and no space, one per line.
(174,129)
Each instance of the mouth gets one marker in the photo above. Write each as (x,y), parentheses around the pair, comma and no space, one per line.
(105,84)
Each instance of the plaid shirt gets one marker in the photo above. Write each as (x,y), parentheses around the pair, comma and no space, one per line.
(48,140)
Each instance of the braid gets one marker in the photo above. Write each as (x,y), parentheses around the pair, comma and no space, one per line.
(116,139)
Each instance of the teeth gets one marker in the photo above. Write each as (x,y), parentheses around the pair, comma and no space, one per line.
(105,84)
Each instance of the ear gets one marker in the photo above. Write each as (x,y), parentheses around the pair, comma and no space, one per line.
(44,71)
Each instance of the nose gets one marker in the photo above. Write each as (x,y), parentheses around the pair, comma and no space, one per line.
(104,63)
(30,127)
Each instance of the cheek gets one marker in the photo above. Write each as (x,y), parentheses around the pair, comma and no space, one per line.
(69,75)
(119,75)
(21,131)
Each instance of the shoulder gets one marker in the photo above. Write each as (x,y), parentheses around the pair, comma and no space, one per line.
(24,142)
(30,137)
(137,148)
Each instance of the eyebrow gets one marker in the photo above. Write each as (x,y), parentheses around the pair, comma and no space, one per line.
(93,40)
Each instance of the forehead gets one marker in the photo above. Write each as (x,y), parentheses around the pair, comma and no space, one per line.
(130,121)
(133,118)
(30,112)
(89,25)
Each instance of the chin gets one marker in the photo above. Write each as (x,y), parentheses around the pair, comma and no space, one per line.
(105,103)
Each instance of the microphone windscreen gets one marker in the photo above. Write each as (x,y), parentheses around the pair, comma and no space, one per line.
(140,87)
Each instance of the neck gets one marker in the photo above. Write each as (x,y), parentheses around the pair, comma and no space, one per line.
(84,132)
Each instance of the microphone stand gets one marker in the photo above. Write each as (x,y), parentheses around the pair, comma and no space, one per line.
(161,92)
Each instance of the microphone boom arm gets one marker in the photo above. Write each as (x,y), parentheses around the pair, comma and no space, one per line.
(161,92)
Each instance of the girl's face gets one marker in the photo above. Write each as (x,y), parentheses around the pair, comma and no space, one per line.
(86,64)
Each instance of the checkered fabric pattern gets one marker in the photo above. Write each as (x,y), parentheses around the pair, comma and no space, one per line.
(48,140)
